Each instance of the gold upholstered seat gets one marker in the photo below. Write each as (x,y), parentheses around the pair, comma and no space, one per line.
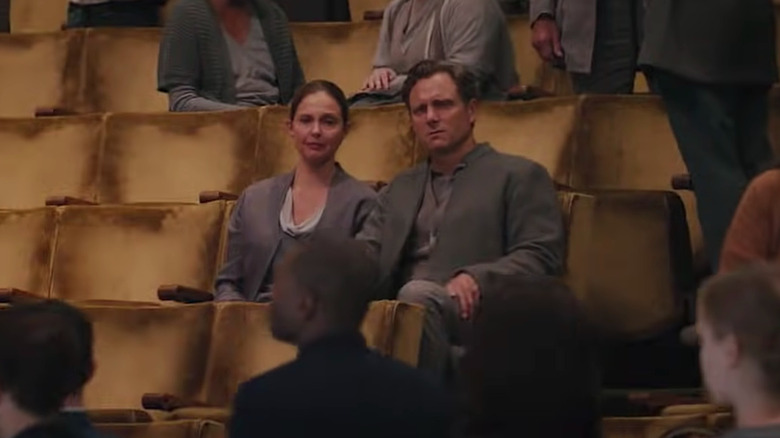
(164,429)
(26,245)
(650,427)
(35,16)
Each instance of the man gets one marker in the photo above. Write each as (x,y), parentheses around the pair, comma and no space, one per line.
(739,332)
(45,359)
(227,54)
(336,387)
(713,69)
(114,13)
(442,228)
(597,41)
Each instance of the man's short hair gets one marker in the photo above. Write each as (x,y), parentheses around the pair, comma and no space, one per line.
(45,354)
(746,304)
(465,81)
(339,272)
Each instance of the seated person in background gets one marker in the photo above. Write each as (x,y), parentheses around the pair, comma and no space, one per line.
(531,367)
(336,387)
(442,227)
(739,332)
(45,358)
(114,13)
(317,195)
(472,33)
(754,234)
(227,54)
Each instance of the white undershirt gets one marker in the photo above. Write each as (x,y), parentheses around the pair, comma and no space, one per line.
(286,218)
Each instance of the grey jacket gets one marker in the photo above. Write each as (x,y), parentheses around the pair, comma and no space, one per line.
(712,41)
(193,52)
(576,20)
(254,233)
(503,217)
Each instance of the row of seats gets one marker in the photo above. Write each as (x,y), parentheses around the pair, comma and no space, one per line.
(88,70)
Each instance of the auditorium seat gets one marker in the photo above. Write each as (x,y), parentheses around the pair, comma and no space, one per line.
(125,253)
(27,238)
(357,8)
(650,427)
(39,70)
(164,429)
(530,67)
(540,130)
(340,52)
(30,16)
(120,67)
(378,146)
(147,349)
(48,157)
(173,157)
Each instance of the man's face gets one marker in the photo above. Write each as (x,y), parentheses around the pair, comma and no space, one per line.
(440,119)
(717,359)
(287,306)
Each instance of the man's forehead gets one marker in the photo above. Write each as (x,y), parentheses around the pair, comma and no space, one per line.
(438,86)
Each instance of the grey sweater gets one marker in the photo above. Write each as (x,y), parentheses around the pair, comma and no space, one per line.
(194,65)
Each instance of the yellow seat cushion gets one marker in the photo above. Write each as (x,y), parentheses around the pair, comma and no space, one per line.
(27,238)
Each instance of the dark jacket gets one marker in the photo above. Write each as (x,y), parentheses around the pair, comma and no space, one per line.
(68,424)
(337,387)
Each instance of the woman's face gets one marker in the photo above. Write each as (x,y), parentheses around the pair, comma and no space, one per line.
(317,128)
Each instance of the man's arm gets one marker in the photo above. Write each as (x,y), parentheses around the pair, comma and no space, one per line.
(536,241)
(545,35)
(230,279)
(371,231)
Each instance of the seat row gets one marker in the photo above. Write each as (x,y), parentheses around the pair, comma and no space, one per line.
(115,70)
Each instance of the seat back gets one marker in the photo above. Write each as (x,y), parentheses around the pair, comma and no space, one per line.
(394,329)
(27,238)
(164,429)
(120,67)
(530,67)
(340,52)
(48,157)
(36,16)
(127,252)
(378,146)
(173,157)
(541,130)
(146,349)
(648,427)
(39,70)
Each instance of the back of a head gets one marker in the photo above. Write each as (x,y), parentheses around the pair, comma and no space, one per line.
(45,354)
(339,274)
(746,304)
(532,367)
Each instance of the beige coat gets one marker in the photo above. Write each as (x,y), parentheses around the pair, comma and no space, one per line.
(577,22)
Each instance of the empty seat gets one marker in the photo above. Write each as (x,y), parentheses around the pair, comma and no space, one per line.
(147,349)
(39,70)
(378,146)
(540,130)
(127,252)
(340,52)
(34,16)
(172,157)
(27,238)
(48,157)
(121,70)
(164,429)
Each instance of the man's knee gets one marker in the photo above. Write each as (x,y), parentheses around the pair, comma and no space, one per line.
(422,292)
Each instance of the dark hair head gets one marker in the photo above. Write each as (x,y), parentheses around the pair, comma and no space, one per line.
(746,304)
(532,365)
(317,86)
(45,354)
(465,81)
(339,273)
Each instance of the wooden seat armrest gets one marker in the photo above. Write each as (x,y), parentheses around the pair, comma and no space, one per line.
(376,185)
(527,92)
(54,112)
(17,296)
(168,402)
(183,294)
(61,201)
(216,195)
(682,181)
(373,15)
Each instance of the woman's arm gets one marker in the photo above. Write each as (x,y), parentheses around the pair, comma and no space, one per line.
(230,280)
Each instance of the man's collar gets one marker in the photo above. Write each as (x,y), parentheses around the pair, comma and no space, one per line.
(472,156)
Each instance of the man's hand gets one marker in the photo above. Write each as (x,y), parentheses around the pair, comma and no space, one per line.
(546,39)
(379,79)
(465,291)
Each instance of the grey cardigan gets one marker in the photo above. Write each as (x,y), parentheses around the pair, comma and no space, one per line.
(503,218)
(254,233)
(193,52)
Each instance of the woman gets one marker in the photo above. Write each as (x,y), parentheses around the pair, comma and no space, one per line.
(531,368)
(227,54)
(754,234)
(317,195)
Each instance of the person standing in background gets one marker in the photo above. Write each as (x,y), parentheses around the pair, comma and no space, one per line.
(714,69)
(597,41)
(114,13)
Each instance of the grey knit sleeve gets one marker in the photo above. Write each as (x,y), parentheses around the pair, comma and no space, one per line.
(185,98)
